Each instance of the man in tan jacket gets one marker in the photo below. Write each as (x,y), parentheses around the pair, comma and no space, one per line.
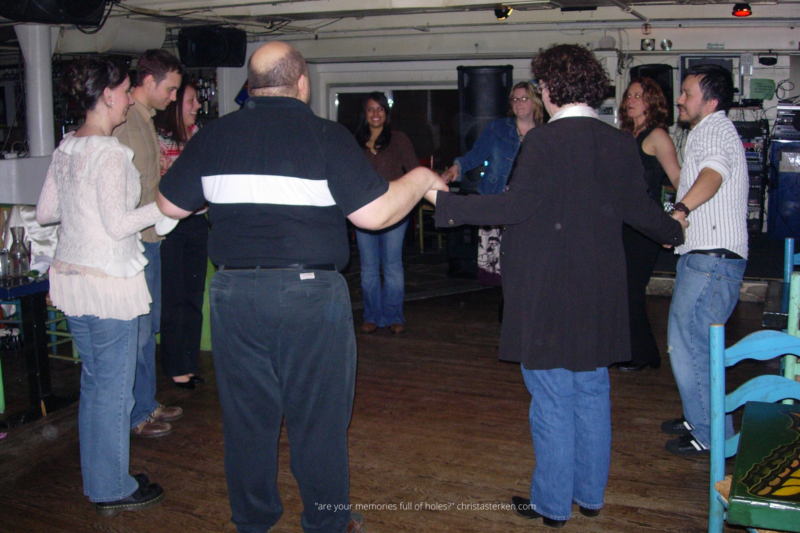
(158,76)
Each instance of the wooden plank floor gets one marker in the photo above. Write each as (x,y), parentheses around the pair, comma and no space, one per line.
(439,436)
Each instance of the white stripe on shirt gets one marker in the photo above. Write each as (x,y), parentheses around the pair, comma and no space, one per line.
(266,189)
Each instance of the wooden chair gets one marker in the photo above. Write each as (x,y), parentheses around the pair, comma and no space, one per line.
(761,346)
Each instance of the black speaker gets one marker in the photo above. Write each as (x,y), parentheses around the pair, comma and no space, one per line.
(212,46)
(81,12)
(482,97)
(661,74)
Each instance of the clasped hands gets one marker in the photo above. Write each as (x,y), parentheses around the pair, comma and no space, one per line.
(680,216)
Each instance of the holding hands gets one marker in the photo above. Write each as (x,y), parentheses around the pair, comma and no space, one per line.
(451,174)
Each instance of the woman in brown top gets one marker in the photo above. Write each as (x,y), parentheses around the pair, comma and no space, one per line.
(392,155)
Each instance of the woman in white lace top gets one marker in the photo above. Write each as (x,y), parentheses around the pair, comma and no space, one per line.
(97,279)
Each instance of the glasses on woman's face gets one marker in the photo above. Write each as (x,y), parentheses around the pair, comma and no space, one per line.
(634,96)
(516,100)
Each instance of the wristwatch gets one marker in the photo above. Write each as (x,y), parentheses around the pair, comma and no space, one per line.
(680,206)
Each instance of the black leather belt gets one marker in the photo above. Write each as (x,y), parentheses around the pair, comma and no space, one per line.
(305,266)
(721,253)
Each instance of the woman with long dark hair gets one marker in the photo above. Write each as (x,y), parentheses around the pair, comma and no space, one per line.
(184,254)
(644,112)
(97,277)
(392,155)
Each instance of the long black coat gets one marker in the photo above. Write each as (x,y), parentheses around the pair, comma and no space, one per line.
(566,305)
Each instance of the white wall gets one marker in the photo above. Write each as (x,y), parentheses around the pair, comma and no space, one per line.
(429,61)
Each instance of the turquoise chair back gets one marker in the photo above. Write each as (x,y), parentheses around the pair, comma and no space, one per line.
(760,346)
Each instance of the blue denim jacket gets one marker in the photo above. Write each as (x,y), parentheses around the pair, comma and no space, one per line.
(498,144)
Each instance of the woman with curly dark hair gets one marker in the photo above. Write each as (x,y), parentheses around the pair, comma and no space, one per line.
(644,112)
(577,181)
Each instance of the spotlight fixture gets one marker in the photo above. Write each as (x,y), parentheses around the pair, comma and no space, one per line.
(742,10)
(502,12)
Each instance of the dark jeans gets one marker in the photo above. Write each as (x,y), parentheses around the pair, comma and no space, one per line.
(641,255)
(284,347)
(184,258)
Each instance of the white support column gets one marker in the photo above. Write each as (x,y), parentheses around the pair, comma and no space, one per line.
(36,44)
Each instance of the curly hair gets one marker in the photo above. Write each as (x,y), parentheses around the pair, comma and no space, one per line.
(655,105)
(571,73)
(363,132)
(85,80)
(538,107)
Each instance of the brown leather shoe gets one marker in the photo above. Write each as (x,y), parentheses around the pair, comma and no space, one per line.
(368,327)
(166,414)
(150,429)
(357,523)
(397,328)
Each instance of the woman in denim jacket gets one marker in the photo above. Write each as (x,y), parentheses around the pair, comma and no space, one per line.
(496,149)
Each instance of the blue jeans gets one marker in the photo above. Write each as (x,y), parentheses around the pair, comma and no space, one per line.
(706,291)
(383,306)
(570,419)
(144,387)
(108,354)
(284,348)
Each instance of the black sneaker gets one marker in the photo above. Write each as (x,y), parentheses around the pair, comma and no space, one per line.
(686,445)
(679,426)
(146,496)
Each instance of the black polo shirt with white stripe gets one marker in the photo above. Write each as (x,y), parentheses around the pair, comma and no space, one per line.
(279,182)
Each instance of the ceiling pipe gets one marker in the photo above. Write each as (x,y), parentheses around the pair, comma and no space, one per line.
(628,9)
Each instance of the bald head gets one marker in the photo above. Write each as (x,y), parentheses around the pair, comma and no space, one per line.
(275,69)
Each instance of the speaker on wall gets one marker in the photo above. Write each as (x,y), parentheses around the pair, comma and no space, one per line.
(212,46)
(83,12)
(482,97)
(661,74)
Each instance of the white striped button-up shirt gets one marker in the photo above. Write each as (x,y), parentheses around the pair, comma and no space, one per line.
(721,222)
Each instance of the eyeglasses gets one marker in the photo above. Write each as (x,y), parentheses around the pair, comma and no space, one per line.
(523,99)
(635,96)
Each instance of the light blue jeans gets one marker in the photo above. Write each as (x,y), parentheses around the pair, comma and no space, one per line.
(108,354)
(706,291)
(383,306)
(144,387)
(570,419)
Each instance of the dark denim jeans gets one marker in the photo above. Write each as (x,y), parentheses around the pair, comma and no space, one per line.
(108,356)
(570,419)
(284,347)
(144,387)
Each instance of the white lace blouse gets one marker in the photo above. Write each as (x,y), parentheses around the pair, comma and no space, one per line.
(93,189)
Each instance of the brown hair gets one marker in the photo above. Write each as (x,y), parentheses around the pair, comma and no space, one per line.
(85,80)
(538,107)
(572,74)
(655,105)
(157,63)
(169,122)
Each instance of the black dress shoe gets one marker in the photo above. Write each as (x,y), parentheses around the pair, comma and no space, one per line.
(522,506)
(185,384)
(197,379)
(591,513)
(686,446)
(146,496)
(678,426)
(636,367)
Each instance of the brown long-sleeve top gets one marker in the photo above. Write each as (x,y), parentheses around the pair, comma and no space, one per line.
(394,160)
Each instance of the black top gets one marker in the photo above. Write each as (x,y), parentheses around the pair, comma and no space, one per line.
(654,174)
(566,304)
(279,182)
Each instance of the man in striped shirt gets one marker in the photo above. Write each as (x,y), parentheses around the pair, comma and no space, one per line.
(713,193)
